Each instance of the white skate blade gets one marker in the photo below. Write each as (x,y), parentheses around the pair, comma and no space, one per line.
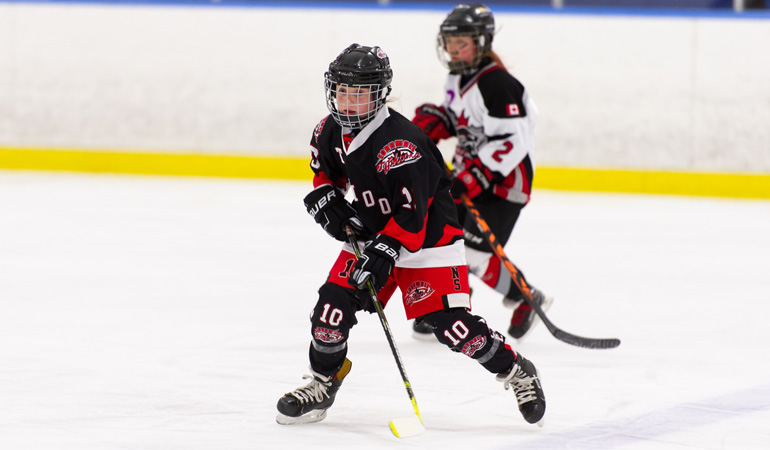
(425,337)
(316,415)
(404,427)
(511,304)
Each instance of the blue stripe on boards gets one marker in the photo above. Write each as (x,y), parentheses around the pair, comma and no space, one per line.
(422,6)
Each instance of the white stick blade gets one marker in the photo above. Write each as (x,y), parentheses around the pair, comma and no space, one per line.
(405,427)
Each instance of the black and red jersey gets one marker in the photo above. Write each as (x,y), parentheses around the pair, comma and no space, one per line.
(397,175)
(494,119)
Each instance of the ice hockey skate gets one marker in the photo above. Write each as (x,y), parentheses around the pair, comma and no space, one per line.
(524,317)
(309,403)
(422,331)
(525,381)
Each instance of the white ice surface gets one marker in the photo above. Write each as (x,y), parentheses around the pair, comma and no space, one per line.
(172,313)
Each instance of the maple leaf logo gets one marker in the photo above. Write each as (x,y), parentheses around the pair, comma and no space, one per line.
(469,137)
(462,121)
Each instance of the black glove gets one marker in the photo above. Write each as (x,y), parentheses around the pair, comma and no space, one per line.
(473,180)
(329,208)
(434,121)
(376,263)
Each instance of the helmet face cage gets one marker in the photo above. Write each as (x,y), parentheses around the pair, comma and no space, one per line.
(353,105)
(475,21)
(357,85)
(479,41)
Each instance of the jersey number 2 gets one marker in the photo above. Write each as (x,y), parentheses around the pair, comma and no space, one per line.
(497,155)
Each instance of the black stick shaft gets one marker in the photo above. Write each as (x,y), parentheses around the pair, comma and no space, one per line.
(521,283)
(385,326)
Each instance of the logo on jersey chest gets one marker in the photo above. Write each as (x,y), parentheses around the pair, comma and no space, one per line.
(418,291)
(396,154)
(469,137)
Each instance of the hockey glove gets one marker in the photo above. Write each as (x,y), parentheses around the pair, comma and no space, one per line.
(376,263)
(473,181)
(434,121)
(327,205)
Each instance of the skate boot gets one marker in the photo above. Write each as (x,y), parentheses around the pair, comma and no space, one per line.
(525,381)
(524,318)
(309,403)
(422,331)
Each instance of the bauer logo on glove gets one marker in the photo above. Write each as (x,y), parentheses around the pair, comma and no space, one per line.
(321,202)
(328,207)
(376,263)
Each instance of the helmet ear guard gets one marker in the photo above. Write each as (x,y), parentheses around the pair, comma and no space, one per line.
(358,67)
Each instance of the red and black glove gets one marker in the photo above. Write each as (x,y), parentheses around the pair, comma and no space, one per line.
(474,180)
(434,121)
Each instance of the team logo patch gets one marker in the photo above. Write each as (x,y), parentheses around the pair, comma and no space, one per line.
(396,154)
(319,128)
(417,292)
(474,345)
(327,335)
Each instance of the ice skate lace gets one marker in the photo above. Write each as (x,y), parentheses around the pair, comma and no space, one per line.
(316,390)
(521,384)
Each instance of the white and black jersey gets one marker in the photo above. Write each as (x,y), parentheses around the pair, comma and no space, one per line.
(398,177)
(494,120)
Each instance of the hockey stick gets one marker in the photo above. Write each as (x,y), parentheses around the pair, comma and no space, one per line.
(521,283)
(403,426)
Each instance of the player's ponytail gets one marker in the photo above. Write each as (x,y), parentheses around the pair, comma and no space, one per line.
(496,58)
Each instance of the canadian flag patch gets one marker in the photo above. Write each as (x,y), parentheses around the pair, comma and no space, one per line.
(513,110)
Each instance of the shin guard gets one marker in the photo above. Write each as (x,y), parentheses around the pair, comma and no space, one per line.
(465,333)
(333,317)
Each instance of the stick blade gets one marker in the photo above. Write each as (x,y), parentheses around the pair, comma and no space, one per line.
(585,342)
(404,427)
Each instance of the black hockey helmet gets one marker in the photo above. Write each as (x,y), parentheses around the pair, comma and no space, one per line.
(355,68)
(474,20)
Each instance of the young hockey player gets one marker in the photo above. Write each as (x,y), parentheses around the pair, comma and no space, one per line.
(406,219)
(493,118)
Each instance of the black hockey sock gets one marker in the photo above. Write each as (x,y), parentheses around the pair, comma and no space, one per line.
(327,364)
(501,360)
